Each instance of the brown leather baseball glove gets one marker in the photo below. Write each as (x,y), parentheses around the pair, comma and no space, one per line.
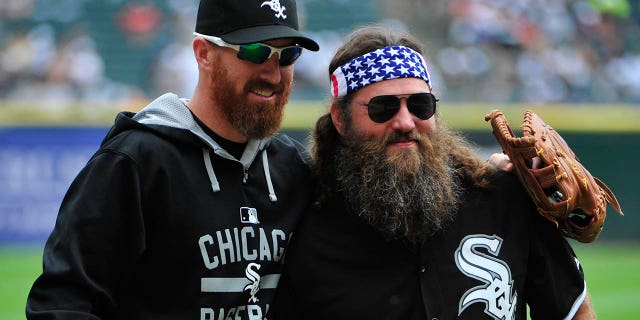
(562,189)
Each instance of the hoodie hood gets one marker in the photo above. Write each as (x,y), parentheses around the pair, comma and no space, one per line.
(169,112)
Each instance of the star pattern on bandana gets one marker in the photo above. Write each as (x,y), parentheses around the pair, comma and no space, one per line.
(383,64)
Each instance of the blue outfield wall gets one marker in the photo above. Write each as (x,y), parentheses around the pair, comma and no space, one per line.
(39,163)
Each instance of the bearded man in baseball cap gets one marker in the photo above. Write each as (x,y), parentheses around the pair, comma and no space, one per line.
(186,209)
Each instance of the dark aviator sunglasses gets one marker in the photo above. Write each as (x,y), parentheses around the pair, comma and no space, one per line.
(259,52)
(382,108)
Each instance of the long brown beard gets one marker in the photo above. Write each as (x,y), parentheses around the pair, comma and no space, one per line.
(409,193)
(252,120)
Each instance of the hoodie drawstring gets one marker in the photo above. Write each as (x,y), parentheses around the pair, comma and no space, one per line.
(215,185)
(267,175)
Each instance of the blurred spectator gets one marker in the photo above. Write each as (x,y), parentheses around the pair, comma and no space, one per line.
(532,51)
(14,9)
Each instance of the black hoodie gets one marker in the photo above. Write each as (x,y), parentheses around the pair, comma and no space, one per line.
(163,223)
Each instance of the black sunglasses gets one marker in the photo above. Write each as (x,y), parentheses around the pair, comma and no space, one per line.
(383,108)
(259,52)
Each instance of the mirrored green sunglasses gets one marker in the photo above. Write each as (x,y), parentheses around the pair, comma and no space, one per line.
(259,52)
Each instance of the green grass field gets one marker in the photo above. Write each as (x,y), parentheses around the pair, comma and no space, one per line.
(19,266)
(612,272)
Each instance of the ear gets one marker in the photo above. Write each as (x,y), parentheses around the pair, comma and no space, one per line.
(336,117)
(202,52)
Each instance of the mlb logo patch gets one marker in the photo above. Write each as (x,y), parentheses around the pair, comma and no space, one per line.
(249,215)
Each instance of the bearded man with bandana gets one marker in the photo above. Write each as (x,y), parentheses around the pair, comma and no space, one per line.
(408,222)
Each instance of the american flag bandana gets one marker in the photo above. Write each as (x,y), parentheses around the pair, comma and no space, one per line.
(382,64)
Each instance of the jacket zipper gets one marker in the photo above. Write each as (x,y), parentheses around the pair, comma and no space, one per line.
(246,168)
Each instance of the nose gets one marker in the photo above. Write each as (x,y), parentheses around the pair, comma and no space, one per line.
(271,71)
(403,120)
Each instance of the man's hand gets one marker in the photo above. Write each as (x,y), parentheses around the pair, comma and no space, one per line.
(501,161)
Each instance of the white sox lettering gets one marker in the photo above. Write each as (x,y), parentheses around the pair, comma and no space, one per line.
(250,248)
(497,291)
(235,245)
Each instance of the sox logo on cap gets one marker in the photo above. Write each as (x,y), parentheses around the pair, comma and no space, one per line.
(276,7)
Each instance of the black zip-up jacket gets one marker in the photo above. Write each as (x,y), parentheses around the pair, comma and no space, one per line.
(163,223)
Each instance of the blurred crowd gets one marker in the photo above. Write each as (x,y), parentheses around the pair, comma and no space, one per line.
(53,52)
(541,50)
(534,51)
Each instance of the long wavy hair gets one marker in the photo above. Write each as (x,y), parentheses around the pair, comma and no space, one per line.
(325,137)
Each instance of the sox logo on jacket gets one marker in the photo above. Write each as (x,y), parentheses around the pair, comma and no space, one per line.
(497,292)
